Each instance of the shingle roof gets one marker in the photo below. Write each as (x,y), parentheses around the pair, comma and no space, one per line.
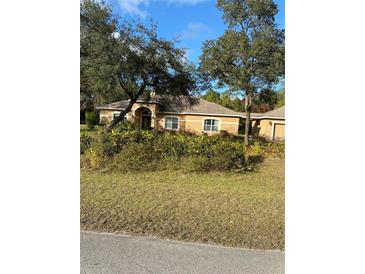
(275,113)
(253,115)
(201,107)
(116,105)
(278,113)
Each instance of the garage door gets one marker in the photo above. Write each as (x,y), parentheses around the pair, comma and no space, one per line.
(279,132)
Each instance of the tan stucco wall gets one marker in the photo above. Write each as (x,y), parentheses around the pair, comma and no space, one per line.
(106,116)
(138,108)
(266,129)
(188,123)
(194,123)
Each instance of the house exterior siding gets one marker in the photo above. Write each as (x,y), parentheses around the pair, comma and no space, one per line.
(272,129)
(147,114)
(187,122)
(106,116)
(195,123)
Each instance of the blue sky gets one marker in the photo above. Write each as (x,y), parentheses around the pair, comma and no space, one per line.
(193,21)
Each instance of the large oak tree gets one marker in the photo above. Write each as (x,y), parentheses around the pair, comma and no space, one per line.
(98,66)
(249,56)
(127,60)
(150,64)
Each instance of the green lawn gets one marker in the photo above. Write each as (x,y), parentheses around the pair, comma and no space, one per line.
(245,210)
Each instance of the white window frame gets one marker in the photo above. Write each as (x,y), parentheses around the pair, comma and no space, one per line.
(178,122)
(211,131)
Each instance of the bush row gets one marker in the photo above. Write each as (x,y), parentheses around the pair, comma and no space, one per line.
(150,150)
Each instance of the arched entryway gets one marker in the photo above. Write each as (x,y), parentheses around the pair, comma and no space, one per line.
(144,117)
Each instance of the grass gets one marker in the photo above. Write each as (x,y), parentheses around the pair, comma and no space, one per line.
(244,210)
(91,132)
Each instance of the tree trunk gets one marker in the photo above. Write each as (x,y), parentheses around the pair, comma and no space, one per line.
(121,115)
(247,121)
(128,108)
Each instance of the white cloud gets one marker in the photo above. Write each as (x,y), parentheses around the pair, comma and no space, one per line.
(134,7)
(194,30)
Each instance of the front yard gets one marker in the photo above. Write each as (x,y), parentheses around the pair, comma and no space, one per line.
(92,132)
(235,209)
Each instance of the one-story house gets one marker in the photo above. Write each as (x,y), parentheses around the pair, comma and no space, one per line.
(199,118)
(270,125)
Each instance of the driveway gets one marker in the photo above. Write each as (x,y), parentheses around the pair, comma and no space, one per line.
(109,253)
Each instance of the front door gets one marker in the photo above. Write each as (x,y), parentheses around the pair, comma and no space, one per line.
(146,122)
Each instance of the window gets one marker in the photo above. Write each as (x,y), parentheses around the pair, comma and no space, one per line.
(211,125)
(172,123)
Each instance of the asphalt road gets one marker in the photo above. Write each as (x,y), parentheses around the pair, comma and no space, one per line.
(108,253)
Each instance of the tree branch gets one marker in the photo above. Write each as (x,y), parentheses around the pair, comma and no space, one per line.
(140,91)
(130,94)
(127,109)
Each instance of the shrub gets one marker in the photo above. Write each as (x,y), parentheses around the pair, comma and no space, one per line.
(149,150)
(274,149)
(85,142)
(136,156)
(224,133)
(267,148)
(92,119)
(256,149)
(125,125)
(93,157)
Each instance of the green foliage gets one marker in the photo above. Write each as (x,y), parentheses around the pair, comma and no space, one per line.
(266,148)
(256,149)
(249,57)
(224,99)
(273,149)
(212,96)
(85,142)
(151,66)
(266,100)
(125,126)
(91,119)
(98,153)
(266,96)
(136,157)
(219,157)
(128,61)
(98,46)
(150,63)
(150,150)
(281,98)
(94,157)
